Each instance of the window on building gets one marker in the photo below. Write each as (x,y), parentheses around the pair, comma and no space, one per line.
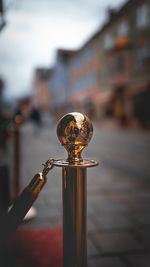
(120,64)
(123,28)
(108,41)
(111,67)
(142,16)
(117,65)
(142,56)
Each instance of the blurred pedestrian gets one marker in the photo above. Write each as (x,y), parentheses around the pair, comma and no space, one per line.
(36,119)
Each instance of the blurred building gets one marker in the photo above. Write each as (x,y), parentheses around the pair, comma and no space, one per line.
(41,92)
(83,77)
(109,75)
(59,82)
(2,12)
(4,6)
(124,52)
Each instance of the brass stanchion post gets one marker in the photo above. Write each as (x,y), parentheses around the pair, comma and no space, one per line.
(74,132)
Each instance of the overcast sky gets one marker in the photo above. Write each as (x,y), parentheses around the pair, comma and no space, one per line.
(36,28)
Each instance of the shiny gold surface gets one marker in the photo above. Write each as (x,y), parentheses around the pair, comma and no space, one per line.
(77,164)
(74,131)
(37,183)
(74,217)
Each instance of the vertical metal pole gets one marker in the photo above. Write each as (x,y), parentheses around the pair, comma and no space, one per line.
(17,124)
(16,162)
(74,217)
(74,131)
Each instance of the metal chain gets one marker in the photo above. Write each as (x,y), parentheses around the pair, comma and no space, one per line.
(48,165)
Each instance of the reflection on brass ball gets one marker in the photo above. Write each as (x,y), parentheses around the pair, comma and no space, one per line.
(74,131)
(75,128)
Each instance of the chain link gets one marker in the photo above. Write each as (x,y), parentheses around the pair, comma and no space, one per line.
(48,165)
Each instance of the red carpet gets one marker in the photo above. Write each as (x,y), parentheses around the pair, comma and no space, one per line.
(36,248)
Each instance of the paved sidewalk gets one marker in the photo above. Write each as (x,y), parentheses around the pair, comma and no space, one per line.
(118,192)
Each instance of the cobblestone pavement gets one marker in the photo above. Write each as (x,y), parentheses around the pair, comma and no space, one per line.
(118,192)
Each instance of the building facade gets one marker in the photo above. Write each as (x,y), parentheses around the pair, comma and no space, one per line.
(109,75)
(59,82)
(83,77)
(124,52)
(41,93)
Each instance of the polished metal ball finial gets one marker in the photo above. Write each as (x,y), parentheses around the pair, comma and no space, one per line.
(74,131)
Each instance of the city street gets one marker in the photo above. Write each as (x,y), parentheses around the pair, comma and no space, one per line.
(92,57)
(118,192)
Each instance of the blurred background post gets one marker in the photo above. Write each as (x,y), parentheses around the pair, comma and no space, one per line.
(18,120)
